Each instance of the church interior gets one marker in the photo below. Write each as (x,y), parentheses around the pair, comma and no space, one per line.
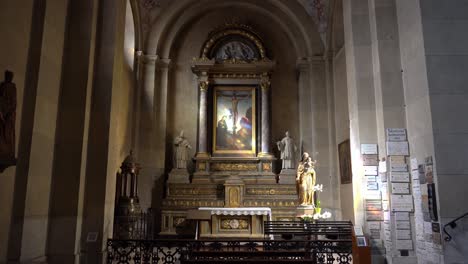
(222,120)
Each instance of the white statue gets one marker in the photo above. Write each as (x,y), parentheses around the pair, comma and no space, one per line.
(182,147)
(287,148)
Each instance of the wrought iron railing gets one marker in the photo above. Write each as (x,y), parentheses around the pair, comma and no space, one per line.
(453,225)
(134,226)
(218,251)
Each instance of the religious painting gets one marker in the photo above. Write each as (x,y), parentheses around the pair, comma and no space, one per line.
(234,120)
(344,156)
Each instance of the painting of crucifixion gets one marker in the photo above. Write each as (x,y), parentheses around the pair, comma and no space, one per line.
(234,120)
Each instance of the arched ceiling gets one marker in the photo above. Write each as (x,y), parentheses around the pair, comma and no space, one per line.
(304,21)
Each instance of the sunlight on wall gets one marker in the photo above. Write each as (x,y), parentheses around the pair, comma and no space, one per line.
(129,42)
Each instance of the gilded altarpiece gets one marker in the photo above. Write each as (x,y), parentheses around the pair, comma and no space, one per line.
(234,160)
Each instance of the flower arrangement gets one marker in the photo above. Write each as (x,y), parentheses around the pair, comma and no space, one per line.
(318,188)
(316,216)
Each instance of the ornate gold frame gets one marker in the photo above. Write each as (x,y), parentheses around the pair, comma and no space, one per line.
(250,152)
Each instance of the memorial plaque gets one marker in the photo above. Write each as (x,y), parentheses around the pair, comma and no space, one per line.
(399,176)
(400,188)
(373,225)
(401,216)
(372,185)
(403,234)
(398,167)
(397,159)
(404,244)
(373,205)
(397,148)
(369,149)
(403,225)
(371,178)
(396,134)
(375,234)
(401,203)
(372,195)
(371,170)
(370,160)
(374,215)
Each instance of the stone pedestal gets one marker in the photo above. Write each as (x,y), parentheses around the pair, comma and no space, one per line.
(287,176)
(179,176)
(302,210)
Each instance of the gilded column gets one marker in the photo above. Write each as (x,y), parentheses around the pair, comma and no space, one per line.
(203,120)
(266,119)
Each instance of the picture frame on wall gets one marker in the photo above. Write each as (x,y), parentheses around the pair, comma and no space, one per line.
(234,121)
(344,157)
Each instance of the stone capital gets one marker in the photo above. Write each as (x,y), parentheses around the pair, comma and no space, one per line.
(203,85)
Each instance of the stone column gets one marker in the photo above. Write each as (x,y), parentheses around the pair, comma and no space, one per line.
(266,119)
(202,118)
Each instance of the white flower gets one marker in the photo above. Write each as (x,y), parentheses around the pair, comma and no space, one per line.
(318,187)
(316,216)
(326,215)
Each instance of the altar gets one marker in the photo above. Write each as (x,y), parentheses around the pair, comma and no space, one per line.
(233,173)
(212,222)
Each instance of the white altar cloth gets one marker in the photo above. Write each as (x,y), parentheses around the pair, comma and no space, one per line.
(238,211)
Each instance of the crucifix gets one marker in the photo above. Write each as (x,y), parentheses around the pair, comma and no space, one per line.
(235,98)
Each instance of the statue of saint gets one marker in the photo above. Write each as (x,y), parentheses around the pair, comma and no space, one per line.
(287,148)
(7,116)
(182,147)
(305,180)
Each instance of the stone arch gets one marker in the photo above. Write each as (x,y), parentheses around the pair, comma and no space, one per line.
(290,17)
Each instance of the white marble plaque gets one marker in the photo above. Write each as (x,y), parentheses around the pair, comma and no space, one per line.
(398,167)
(403,234)
(401,216)
(373,225)
(369,149)
(401,203)
(397,159)
(372,195)
(397,148)
(370,160)
(372,185)
(374,215)
(404,225)
(399,176)
(373,205)
(404,244)
(396,134)
(400,188)
(371,170)
(371,178)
